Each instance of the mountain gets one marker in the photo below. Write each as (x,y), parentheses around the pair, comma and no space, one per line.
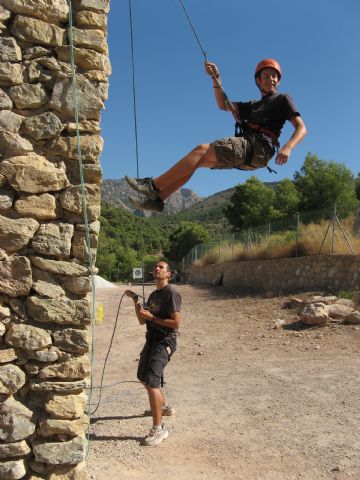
(116,193)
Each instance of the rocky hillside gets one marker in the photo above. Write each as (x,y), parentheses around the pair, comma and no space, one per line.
(116,192)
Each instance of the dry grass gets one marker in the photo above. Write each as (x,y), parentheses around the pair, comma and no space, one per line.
(313,237)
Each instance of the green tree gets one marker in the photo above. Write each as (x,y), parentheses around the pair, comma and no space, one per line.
(287,198)
(322,183)
(184,238)
(251,204)
(114,260)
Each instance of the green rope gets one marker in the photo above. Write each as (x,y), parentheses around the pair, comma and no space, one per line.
(84,207)
(142,216)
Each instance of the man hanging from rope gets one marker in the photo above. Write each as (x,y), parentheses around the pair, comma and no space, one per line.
(258,127)
(162,317)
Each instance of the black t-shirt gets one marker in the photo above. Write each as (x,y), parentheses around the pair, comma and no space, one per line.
(162,303)
(271,111)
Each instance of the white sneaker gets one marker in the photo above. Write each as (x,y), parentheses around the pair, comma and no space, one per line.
(156,436)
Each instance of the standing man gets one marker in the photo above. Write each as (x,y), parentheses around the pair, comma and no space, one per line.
(162,318)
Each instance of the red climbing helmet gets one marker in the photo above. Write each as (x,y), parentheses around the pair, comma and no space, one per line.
(268,63)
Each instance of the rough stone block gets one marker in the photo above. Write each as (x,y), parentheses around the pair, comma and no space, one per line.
(91,98)
(16,421)
(10,74)
(42,127)
(16,234)
(48,10)
(56,453)
(71,340)
(89,19)
(27,337)
(12,378)
(28,96)
(53,239)
(40,207)
(15,276)
(62,311)
(12,470)
(17,449)
(33,174)
(60,267)
(10,121)
(38,32)
(9,50)
(68,407)
(71,200)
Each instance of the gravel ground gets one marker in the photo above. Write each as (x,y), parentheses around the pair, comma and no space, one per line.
(253,402)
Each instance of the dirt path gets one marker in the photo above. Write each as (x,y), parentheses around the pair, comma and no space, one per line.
(253,402)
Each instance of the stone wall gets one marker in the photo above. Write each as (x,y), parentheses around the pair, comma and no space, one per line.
(45,300)
(320,272)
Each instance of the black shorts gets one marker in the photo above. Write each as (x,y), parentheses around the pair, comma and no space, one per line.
(153,359)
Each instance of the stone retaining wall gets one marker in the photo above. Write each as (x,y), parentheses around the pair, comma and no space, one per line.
(45,299)
(321,272)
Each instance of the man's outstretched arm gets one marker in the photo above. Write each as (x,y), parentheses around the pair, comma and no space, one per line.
(299,133)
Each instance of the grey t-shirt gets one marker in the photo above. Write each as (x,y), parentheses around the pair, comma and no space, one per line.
(162,303)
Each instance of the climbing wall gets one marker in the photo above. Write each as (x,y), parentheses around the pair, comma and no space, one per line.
(45,281)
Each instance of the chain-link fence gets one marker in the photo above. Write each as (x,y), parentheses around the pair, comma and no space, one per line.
(325,231)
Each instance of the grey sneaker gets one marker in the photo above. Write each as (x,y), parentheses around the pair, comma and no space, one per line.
(167,411)
(145,186)
(156,436)
(156,205)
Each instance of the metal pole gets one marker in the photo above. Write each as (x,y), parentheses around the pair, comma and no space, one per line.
(333,231)
(297,231)
(328,227)
(345,236)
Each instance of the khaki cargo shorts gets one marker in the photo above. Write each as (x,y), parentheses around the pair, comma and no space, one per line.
(242,153)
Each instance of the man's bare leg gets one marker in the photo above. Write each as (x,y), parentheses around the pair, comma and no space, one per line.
(156,400)
(167,191)
(202,156)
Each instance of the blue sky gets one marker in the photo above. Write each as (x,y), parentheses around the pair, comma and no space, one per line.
(316,43)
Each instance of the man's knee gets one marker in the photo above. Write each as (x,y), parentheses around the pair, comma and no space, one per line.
(201,149)
(153,390)
(152,381)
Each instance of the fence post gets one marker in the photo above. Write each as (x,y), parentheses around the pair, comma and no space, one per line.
(297,232)
(333,231)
